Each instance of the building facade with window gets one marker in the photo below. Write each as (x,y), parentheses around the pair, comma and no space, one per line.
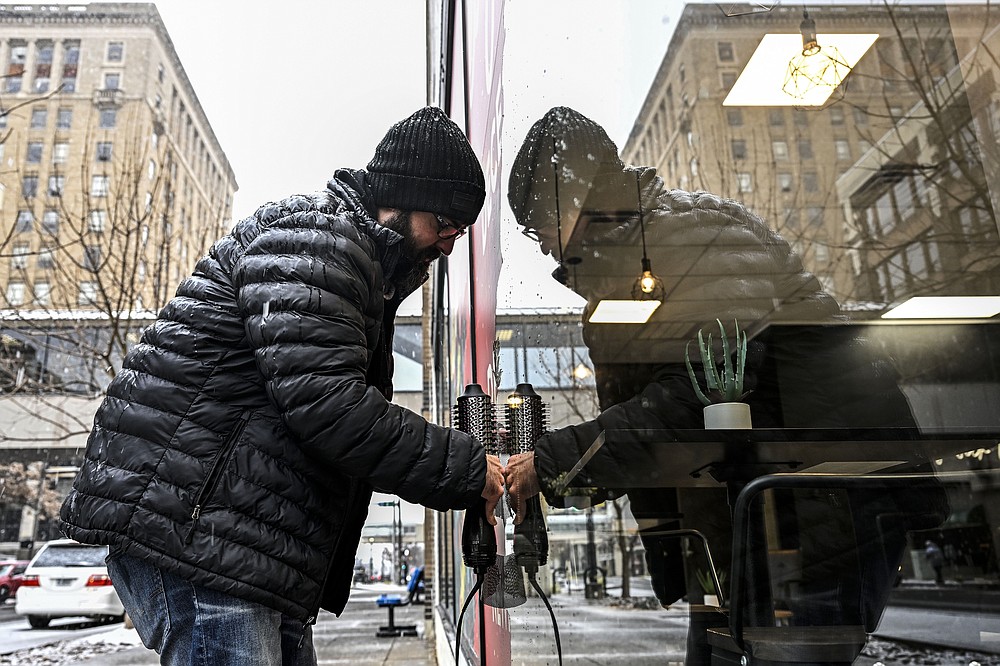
(112,169)
(113,184)
(785,161)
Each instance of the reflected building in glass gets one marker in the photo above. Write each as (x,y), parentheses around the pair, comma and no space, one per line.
(828,179)
(882,189)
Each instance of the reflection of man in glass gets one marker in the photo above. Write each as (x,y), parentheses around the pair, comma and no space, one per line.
(571,192)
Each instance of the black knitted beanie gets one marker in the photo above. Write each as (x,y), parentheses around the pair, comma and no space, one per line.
(566,142)
(425,163)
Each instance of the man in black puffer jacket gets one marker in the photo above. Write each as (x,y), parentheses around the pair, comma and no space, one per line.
(232,462)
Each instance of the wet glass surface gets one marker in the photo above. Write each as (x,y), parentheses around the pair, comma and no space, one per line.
(681,168)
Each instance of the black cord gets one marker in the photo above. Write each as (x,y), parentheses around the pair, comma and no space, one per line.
(555,626)
(642,227)
(458,628)
(482,626)
(555,173)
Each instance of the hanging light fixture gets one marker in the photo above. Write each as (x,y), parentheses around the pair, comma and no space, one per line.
(647,291)
(816,67)
(648,287)
(799,69)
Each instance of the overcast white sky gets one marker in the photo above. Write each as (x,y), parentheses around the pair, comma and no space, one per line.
(297,88)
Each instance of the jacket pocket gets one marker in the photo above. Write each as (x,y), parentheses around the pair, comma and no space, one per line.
(215,474)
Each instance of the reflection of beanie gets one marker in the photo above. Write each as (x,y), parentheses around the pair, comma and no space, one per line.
(425,163)
(582,150)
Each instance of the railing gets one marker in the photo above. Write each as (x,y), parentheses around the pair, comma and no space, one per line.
(108,96)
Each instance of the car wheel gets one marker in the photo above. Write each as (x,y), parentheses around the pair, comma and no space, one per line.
(4,593)
(38,621)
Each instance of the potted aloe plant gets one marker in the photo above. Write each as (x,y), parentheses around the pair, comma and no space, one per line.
(707,583)
(723,393)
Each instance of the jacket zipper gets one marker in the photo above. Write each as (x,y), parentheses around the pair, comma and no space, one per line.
(311,620)
(215,474)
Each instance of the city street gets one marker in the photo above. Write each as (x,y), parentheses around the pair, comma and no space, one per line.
(952,628)
(906,636)
(347,640)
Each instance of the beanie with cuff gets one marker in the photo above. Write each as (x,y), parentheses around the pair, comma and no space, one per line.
(425,163)
(567,143)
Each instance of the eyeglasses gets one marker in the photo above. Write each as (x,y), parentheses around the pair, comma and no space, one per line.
(449,230)
(531,233)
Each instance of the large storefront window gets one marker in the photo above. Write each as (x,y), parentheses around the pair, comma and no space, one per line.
(822,179)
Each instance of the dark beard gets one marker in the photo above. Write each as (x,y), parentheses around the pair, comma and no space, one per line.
(412,269)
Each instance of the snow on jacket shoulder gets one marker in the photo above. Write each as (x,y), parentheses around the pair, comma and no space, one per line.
(240,444)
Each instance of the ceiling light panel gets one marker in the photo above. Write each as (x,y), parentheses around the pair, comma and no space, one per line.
(761,81)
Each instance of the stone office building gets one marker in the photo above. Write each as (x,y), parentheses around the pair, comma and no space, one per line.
(106,149)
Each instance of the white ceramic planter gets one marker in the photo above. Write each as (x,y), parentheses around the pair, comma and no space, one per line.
(727,416)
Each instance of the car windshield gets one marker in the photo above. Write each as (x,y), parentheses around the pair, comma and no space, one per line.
(73,555)
(6,569)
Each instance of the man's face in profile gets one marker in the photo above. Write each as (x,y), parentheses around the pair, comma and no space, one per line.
(422,245)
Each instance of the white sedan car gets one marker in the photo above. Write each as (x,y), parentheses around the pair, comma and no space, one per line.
(67,579)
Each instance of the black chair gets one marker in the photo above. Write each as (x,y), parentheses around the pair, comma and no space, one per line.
(701,618)
(415,591)
(828,626)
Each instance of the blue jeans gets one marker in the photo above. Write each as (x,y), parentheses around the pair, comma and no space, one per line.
(189,625)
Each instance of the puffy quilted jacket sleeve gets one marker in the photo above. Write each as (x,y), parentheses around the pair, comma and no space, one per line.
(628,462)
(309,290)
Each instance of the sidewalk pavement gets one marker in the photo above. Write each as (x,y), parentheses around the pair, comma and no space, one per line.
(349,639)
(941,628)
(960,617)
(954,615)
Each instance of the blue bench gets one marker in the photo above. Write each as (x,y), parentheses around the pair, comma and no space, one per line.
(414,590)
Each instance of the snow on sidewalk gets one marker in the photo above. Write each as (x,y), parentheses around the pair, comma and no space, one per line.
(75,650)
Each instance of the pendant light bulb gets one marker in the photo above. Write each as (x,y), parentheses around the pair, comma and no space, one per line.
(647,286)
(817,67)
(647,282)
